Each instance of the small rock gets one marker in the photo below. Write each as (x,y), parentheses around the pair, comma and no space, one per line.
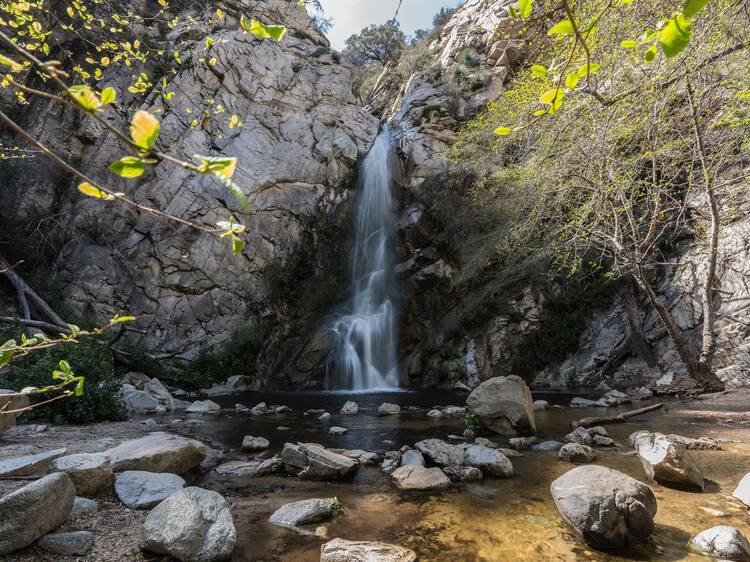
(283,428)
(90,473)
(138,489)
(440,452)
(463,473)
(598,430)
(76,543)
(391,461)
(259,409)
(575,452)
(325,416)
(341,550)
(435,414)
(30,465)
(249,469)
(521,443)
(548,446)
(304,512)
(580,436)
(485,442)
(490,461)
(136,379)
(203,407)
(282,409)
(336,430)
(724,542)
(469,434)
(349,409)
(192,525)
(314,462)
(413,477)
(412,457)
(250,443)
(510,453)
(454,411)
(601,441)
(540,405)
(84,505)
(579,402)
(241,408)
(387,409)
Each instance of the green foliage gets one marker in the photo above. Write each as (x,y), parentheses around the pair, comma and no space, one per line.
(236,357)
(472,421)
(376,44)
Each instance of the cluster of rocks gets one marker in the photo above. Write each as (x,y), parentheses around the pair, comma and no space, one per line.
(446,412)
(144,395)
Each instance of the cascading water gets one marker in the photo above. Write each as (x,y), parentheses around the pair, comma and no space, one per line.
(365,356)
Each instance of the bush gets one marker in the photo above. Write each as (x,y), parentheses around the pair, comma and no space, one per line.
(236,358)
(90,358)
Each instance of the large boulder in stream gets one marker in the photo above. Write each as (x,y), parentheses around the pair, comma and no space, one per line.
(504,405)
(490,461)
(193,525)
(668,462)
(158,452)
(34,510)
(723,542)
(315,462)
(603,507)
(440,452)
(415,477)
(341,550)
(304,512)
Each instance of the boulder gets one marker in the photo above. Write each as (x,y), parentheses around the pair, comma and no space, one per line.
(575,452)
(248,469)
(440,452)
(598,430)
(388,409)
(203,407)
(359,455)
(29,465)
(412,457)
(504,405)
(337,430)
(540,405)
(579,435)
(136,379)
(138,401)
(415,477)
(304,512)
(260,409)
(325,416)
(9,404)
(91,473)
(138,489)
(454,411)
(315,462)
(742,491)
(193,525)
(349,409)
(76,543)
(521,443)
(250,443)
(34,510)
(391,461)
(435,414)
(158,452)
(490,461)
(723,542)
(341,550)
(237,383)
(84,505)
(603,507)
(463,473)
(667,462)
(548,446)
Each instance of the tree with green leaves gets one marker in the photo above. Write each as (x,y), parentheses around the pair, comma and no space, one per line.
(376,44)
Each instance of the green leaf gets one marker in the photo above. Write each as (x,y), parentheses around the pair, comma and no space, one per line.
(585,70)
(238,245)
(564,27)
(629,43)
(551,96)
(675,36)
(108,96)
(235,190)
(14,66)
(144,128)
(503,131)
(6,352)
(92,191)
(539,71)
(85,97)
(262,31)
(220,165)
(525,7)
(693,7)
(127,167)
(571,80)
(117,319)
(650,54)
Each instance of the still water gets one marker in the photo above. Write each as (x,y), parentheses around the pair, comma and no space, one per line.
(493,520)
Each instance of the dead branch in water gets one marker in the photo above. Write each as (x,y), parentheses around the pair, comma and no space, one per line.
(620,418)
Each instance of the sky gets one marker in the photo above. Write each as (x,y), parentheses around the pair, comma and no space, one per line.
(350,16)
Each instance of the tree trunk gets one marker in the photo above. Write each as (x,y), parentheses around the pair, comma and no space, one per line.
(638,340)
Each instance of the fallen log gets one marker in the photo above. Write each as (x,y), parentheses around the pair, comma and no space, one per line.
(620,418)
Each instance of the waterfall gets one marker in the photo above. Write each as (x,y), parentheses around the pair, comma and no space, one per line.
(365,356)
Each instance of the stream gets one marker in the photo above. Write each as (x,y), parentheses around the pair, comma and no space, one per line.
(495,519)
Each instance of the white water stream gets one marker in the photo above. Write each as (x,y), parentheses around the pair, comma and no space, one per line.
(365,357)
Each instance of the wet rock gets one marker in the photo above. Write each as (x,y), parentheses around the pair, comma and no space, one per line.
(248,469)
(521,443)
(598,430)
(359,455)
(325,416)
(412,457)
(742,491)
(158,452)
(548,446)
(314,462)
(540,405)
(192,525)
(579,402)
(237,383)
(724,542)
(250,443)
(504,405)
(84,505)
(34,510)
(440,452)
(203,407)
(138,489)
(580,436)
(136,379)
(414,477)
(336,430)
(304,512)
(241,408)
(454,411)
(29,465)
(341,550)
(463,473)
(490,461)
(615,398)
(484,441)
(603,507)
(435,414)
(90,473)
(601,441)
(701,444)
(10,404)
(349,409)
(387,409)
(575,452)
(391,461)
(469,434)
(259,409)
(281,409)
(668,463)
(75,543)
